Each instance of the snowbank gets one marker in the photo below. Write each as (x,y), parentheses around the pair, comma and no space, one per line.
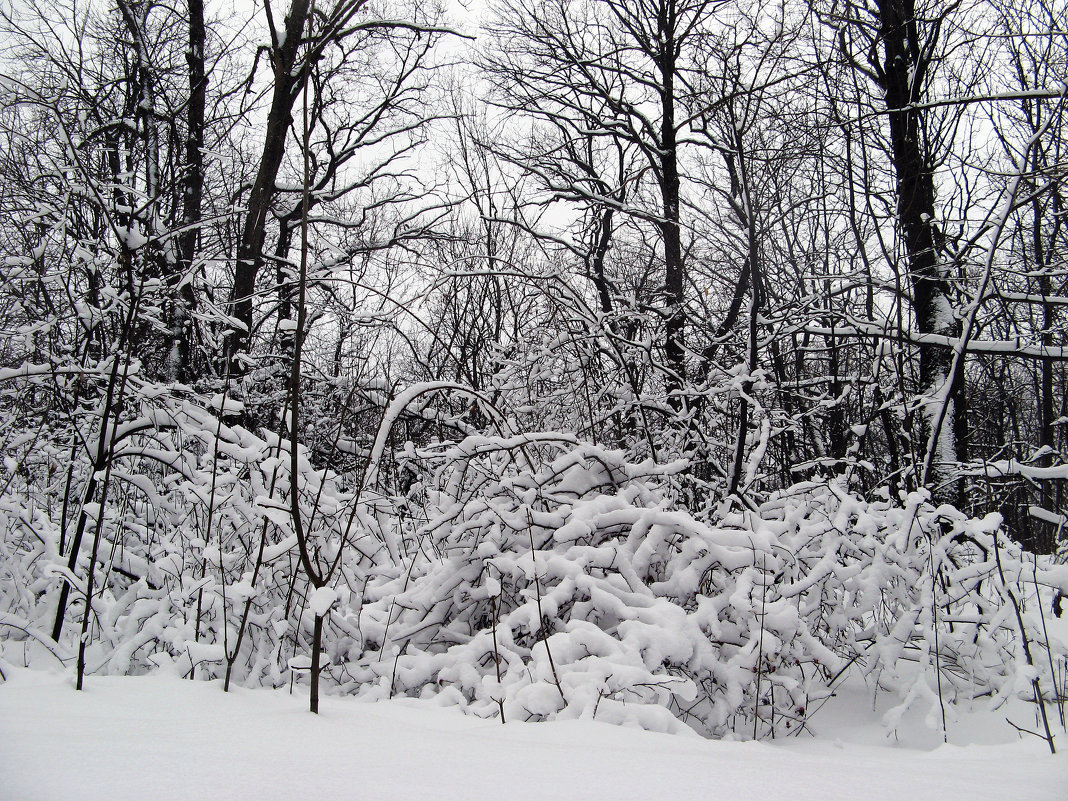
(159,738)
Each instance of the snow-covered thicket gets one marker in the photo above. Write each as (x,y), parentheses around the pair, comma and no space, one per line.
(529,576)
(546,578)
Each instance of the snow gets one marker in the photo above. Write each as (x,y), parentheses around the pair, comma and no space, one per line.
(158,737)
(1013,467)
(226,406)
(321,600)
(1047,516)
(272,552)
(393,412)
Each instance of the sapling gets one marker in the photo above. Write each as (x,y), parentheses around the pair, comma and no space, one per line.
(1026,644)
(102,461)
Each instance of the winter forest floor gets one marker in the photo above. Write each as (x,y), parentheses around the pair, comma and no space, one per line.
(157,737)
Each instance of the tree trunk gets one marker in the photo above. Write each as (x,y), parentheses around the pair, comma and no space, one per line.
(674,270)
(903,74)
(253,232)
(317,649)
(192,195)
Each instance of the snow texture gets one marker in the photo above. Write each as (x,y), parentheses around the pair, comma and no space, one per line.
(321,600)
(160,738)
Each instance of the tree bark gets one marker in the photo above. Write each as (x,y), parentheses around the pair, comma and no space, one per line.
(253,231)
(192,194)
(674,267)
(902,73)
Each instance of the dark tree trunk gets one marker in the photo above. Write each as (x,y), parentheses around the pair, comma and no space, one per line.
(192,194)
(1045,540)
(902,74)
(253,232)
(597,265)
(674,268)
(317,649)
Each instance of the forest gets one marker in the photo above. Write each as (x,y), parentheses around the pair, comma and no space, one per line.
(662,362)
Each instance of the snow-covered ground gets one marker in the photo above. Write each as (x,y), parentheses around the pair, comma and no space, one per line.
(157,737)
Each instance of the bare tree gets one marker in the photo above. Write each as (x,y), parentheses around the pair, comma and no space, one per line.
(298,45)
(899,46)
(607,83)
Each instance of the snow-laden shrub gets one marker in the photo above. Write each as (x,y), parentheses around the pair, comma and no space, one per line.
(580,587)
(534,576)
(195,566)
(553,579)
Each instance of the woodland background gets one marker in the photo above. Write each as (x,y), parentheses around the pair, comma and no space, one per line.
(660,361)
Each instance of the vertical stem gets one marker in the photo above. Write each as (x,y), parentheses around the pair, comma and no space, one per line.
(1026,645)
(317,640)
(670,195)
(541,614)
(112,402)
(497,656)
(760,650)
